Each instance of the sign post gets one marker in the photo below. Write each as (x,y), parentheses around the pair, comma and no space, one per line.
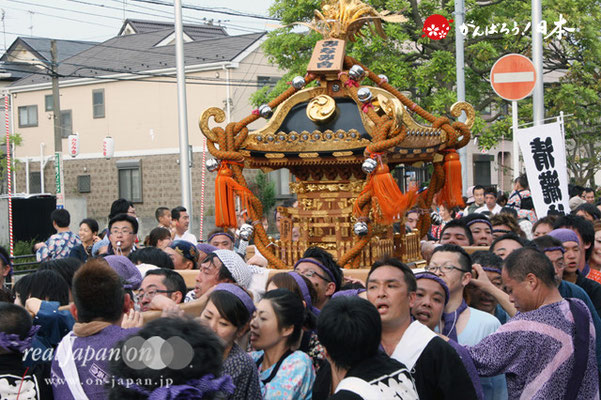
(513,78)
(58,176)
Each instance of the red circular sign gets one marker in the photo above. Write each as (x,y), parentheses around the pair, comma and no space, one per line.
(513,77)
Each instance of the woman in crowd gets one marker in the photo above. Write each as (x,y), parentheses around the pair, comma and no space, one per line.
(88,233)
(44,285)
(274,331)
(41,293)
(543,226)
(65,267)
(159,237)
(445,215)
(503,224)
(595,259)
(228,314)
(302,287)
(190,374)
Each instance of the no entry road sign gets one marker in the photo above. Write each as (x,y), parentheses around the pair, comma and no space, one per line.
(513,77)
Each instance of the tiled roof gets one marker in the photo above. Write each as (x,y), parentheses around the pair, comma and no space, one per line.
(196,32)
(41,47)
(136,53)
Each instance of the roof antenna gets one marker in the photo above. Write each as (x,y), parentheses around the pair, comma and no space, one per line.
(31,23)
(4,27)
(124,9)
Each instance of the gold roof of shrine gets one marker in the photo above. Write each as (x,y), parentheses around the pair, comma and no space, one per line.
(295,136)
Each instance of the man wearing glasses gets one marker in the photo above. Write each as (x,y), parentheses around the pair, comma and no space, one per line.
(122,234)
(320,268)
(461,323)
(160,289)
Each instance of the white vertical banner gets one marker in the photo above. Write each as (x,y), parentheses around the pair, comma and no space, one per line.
(544,152)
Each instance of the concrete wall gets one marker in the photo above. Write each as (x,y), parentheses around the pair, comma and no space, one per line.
(160,185)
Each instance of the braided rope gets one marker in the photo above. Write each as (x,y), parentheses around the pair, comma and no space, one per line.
(230,140)
(384,137)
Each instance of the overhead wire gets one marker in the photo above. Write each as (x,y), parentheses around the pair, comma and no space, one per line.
(212,10)
(193,58)
(148,79)
(64,9)
(158,52)
(59,17)
(167,14)
(146,75)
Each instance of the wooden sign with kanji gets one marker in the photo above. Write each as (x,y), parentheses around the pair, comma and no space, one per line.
(328,56)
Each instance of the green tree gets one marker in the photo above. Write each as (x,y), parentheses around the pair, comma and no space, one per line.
(425,69)
(264,189)
(15,139)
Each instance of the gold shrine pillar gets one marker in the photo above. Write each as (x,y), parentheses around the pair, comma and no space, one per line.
(324,219)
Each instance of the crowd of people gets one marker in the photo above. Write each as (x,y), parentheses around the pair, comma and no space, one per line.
(516,318)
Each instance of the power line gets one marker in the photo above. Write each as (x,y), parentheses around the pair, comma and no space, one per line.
(64,9)
(165,14)
(149,51)
(144,79)
(57,16)
(233,26)
(146,74)
(168,14)
(211,10)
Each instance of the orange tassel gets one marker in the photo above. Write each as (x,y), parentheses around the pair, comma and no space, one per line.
(393,203)
(451,194)
(225,188)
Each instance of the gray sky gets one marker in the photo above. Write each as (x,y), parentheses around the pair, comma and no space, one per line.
(99,20)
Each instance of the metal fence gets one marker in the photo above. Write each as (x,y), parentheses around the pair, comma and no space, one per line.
(25,264)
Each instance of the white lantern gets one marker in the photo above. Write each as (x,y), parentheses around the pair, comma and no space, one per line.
(73,141)
(108,147)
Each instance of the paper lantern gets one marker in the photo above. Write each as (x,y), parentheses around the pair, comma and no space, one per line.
(108,147)
(73,141)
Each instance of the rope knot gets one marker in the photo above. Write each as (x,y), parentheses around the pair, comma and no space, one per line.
(366,106)
(438,122)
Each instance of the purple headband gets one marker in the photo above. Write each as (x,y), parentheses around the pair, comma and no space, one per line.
(348,293)
(320,265)
(564,235)
(560,248)
(221,233)
(492,269)
(427,275)
(239,293)
(12,341)
(192,389)
(206,248)
(302,285)
(476,220)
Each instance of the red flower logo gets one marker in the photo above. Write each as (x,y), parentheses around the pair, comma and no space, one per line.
(436,27)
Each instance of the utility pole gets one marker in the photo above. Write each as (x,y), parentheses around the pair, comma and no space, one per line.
(58,137)
(460,76)
(184,155)
(538,96)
